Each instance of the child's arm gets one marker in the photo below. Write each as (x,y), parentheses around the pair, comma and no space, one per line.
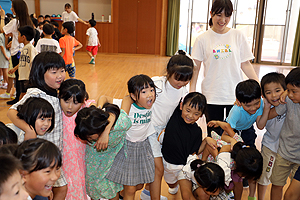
(87,40)
(3,51)
(186,189)
(99,45)
(80,20)
(272,113)
(11,71)
(29,131)
(262,119)
(283,97)
(63,51)
(207,141)
(79,45)
(228,139)
(104,99)
(224,125)
(126,104)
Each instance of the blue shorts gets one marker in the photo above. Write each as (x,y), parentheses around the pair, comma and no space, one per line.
(71,70)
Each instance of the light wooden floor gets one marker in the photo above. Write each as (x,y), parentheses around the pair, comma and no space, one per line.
(111,73)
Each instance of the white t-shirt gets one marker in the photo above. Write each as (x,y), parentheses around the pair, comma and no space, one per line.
(222,55)
(12,27)
(166,101)
(72,16)
(93,39)
(27,55)
(46,44)
(141,127)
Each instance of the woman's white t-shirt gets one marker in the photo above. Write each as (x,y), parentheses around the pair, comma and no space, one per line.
(12,27)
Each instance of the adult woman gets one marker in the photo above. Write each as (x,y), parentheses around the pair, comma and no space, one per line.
(225,54)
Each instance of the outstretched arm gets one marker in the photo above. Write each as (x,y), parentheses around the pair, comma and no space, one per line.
(224,125)
(249,70)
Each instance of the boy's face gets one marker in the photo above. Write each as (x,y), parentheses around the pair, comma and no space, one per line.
(21,38)
(189,115)
(13,188)
(40,19)
(293,93)
(273,92)
(252,106)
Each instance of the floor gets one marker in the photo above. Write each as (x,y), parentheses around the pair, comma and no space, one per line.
(111,73)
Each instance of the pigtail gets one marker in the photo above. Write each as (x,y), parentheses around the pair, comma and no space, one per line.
(93,16)
(238,146)
(112,108)
(196,164)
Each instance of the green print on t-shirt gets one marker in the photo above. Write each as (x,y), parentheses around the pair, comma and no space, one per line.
(142,118)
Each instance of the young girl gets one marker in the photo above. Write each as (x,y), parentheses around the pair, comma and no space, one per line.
(41,161)
(171,88)
(46,75)
(38,114)
(90,124)
(20,9)
(134,164)
(73,97)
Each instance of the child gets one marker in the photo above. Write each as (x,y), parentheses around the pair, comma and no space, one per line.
(46,75)
(28,52)
(7,135)
(48,18)
(287,158)
(92,40)
(293,192)
(38,114)
(40,27)
(4,56)
(73,97)
(41,161)
(272,85)
(67,44)
(182,137)
(91,123)
(11,184)
(136,158)
(57,33)
(37,34)
(48,43)
(40,18)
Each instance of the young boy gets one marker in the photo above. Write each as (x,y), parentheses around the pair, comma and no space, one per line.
(92,41)
(40,18)
(48,18)
(287,158)
(57,33)
(28,52)
(48,43)
(67,43)
(11,184)
(272,85)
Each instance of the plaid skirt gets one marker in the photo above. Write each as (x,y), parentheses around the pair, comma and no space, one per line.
(133,165)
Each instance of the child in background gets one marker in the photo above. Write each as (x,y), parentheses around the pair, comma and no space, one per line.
(38,114)
(90,124)
(47,43)
(4,56)
(11,184)
(40,27)
(73,97)
(57,33)
(7,135)
(40,18)
(92,40)
(48,18)
(287,158)
(46,75)
(37,33)
(28,52)
(136,158)
(41,161)
(272,85)
(67,44)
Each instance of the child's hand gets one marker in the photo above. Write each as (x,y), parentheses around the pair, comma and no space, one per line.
(30,133)
(7,58)
(12,70)
(267,103)
(213,123)
(211,142)
(8,45)
(237,103)
(99,45)
(102,142)
(283,97)
(2,12)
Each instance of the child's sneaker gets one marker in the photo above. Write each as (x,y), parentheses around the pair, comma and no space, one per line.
(5,96)
(92,61)
(145,195)
(173,190)
(230,196)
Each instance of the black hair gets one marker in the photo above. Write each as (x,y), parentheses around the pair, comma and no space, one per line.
(248,90)
(43,62)
(34,108)
(218,6)
(139,82)
(92,22)
(208,175)
(7,135)
(6,20)
(272,77)
(28,31)
(248,161)
(48,29)
(67,5)
(8,148)
(36,154)
(46,16)
(40,16)
(69,26)
(73,88)
(293,77)
(54,23)
(41,23)
(9,166)
(90,121)
(196,100)
(46,22)
(35,22)
(181,66)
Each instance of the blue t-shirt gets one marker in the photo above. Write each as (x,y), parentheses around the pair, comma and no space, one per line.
(240,119)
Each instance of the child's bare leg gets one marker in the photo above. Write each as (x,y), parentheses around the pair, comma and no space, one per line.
(60,193)
(10,84)
(116,197)
(5,76)
(293,192)
(276,192)
(261,191)
(238,190)
(252,188)
(155,186)
(129,191)
(89,53)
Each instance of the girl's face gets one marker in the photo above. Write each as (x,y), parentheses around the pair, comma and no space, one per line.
(273,92)
(220,22)
(70,107)
(42,124)
(189,115)
(146,99)
(54,77)
(177,84)
(211,193)
(13,188)
(40,182)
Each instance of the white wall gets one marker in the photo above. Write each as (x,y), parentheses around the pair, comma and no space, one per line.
(85,8)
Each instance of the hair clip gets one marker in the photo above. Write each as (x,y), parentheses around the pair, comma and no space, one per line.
(244,146)
(198,165)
